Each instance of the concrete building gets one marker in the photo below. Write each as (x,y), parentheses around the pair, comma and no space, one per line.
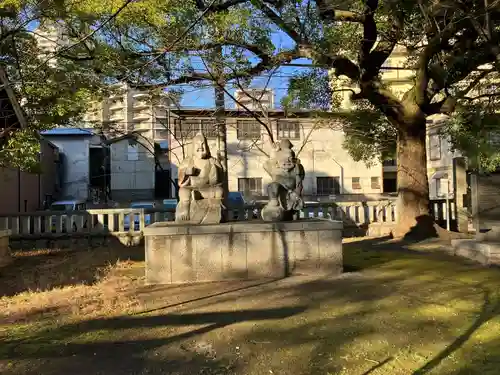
(254,99)
(76,147)
(330,171)
(27,192)
(50,37)
(136,174)
(132,168)
(130,110)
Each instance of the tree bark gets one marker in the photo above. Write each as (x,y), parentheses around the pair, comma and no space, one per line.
(413,187)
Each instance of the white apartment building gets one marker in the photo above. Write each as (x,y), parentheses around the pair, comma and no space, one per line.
(50,37)
(254,99)
(330,171)
(130,110)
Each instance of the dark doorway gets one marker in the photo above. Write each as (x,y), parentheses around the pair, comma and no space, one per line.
(99,173)
(162,184)
(390,185)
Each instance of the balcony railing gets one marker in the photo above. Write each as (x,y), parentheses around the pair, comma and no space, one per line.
(389,163)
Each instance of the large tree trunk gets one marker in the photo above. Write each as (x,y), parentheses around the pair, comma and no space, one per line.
(413,187)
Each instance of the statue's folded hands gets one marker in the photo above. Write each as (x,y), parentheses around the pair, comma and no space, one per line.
(200,177)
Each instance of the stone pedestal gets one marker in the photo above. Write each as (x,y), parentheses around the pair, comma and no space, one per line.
(5,257)
(180,253)
(485,248)
(486,253)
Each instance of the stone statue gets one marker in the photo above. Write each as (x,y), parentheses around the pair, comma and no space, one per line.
(200,186)
(285,190)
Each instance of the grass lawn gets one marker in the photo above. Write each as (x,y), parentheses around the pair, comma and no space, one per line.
(399,309)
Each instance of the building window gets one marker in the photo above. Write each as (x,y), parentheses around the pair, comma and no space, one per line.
(161,134)
(187,129)
(327,185)
(247,129)
(288,129)
(133,152)
(375,182)
(434,147)
(250,186)
(439,190)
(356,184)
(209,128)
(389,163)
(441,185)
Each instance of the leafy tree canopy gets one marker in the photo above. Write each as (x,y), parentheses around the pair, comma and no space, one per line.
(152,44)
(50,93)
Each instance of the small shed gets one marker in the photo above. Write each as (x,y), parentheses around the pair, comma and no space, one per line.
(76,146)
(132,167)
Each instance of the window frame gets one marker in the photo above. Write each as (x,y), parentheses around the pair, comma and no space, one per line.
(288,130)
(136,152)
(375,182)
(243,183)
(437,181)
(356,185)
(252,133)
(335,185)
(198,125)
(437,150)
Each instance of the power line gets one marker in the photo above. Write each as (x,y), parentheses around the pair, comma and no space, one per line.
(177,40)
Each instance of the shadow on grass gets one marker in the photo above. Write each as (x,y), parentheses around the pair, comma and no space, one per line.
(489,311)
(129,356)
(41,270)
(396,302)
(373,252)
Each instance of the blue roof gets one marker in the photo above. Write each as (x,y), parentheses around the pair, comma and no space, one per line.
(69,131)
(163,145)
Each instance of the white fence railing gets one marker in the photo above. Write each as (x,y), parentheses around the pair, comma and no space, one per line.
(133,221)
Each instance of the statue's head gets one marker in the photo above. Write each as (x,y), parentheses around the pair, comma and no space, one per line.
(200,147)
(284,155)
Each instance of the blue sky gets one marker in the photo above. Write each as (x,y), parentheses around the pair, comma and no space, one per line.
(204,97)
(279,81)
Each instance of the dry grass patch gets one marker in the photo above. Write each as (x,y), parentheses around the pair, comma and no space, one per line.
(61,284)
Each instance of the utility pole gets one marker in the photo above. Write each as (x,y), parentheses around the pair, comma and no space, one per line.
(220,123)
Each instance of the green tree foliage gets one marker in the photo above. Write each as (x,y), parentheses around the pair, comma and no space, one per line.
(52,90)
(151,44)
(474,131)
(369,144)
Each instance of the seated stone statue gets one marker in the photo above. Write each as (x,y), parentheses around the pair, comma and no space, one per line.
(200,186)
(285,190)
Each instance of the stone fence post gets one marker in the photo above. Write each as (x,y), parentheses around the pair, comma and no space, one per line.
(5,257)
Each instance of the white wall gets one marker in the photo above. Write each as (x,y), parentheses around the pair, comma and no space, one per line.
(76,165)
(322,156)
(131,174)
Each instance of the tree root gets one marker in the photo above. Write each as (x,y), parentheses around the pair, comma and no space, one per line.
(427,228)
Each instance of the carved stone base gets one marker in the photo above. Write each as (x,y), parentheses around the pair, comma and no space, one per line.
(203,211)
